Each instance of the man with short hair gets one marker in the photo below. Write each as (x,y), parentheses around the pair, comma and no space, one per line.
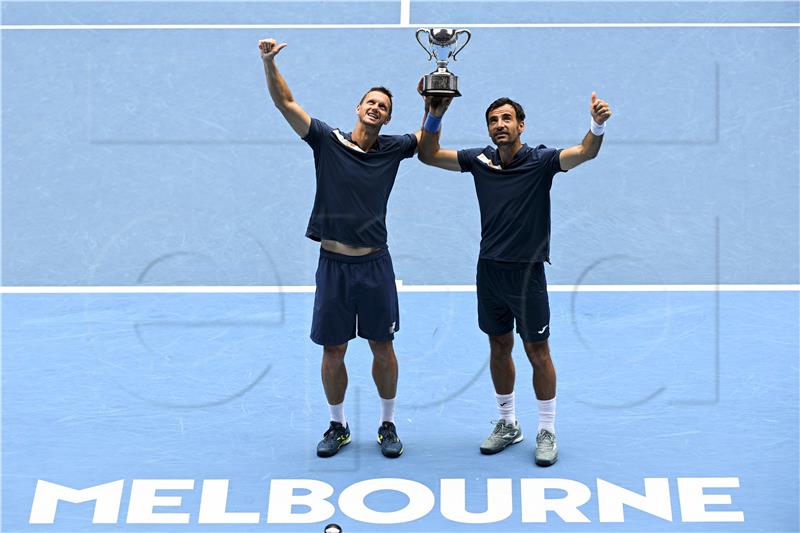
(513,183)
(356,291)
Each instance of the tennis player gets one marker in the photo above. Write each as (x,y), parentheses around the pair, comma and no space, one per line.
(513,181)
(356,291)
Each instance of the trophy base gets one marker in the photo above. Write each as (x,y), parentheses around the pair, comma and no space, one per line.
(444,84)
(446,93)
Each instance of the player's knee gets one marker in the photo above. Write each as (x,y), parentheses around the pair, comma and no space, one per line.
(334,352)
(538,353)
(381,349)
(501,346)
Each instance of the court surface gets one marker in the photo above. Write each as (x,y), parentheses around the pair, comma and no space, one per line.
(157,288)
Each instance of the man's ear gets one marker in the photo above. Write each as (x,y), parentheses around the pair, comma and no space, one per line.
(388,118)
(522,126)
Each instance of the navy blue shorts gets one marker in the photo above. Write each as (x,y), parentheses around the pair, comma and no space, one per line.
(355,294)
(509,292)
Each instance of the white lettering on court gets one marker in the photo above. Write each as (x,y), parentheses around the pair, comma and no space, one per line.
(282,498)
(144,500)
(535,504)
(214,505)
(499,505)
(107,498)
(612,499)
(420,501)
(306,501)
(694,500)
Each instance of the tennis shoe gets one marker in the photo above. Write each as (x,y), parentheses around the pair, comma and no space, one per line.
(333,439)
(504,435)
(390,443)
(546,449)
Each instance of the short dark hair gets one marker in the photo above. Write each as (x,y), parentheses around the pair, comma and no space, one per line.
(506,101)
(380,89)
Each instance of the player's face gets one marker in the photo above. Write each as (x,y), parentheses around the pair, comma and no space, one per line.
(375,109)
(504,128)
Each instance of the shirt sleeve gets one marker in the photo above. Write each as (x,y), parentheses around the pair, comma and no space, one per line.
(551,157)
(316,133)
(466,158)
(408,145)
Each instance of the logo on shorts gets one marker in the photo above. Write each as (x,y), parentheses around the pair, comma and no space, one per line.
(391,328)
(544,328)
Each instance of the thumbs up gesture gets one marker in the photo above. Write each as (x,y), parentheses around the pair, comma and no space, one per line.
(269,48)
(599,109)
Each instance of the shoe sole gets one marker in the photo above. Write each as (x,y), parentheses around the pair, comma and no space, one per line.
(541,462)
(489,451)
(392,455)
(331,454)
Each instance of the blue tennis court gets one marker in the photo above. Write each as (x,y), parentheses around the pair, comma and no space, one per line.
(157,288)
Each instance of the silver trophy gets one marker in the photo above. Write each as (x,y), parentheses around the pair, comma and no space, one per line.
(442,44)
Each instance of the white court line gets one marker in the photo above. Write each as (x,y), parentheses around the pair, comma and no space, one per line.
(405,12)
(45,27)
(288,289)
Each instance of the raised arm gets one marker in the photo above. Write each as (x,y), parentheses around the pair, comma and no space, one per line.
(590,146)
(418,133)
(429,151)
(297,118)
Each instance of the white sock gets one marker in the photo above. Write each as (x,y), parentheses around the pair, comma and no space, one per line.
(547,415)
(337,413)
(505,405)
(387,410)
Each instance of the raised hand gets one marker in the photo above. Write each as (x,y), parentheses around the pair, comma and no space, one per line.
(269,48)
(437,105)
(599,109)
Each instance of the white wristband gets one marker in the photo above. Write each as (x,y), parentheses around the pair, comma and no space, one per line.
(598,129)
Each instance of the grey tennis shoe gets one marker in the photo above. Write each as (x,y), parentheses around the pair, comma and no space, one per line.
(391,446)
(546,449)
(333,439)
(504,435)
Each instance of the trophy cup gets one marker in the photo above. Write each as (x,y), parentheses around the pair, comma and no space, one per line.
(442,44)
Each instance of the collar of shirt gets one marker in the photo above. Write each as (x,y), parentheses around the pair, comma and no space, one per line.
(349,137)
(521,154)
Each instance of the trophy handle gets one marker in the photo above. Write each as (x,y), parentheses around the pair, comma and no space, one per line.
(469,36)
(430,55)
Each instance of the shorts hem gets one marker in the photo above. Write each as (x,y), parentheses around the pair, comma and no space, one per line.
(326,343)
(378,339)
(534,338)
(493,334)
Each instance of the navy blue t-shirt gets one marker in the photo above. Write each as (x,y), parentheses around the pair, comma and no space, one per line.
(514,201)
(353,186)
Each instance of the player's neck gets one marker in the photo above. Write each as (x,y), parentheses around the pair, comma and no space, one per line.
(365,137)
(508,151)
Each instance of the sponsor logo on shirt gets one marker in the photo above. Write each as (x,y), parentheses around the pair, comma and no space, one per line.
(349,144)
(486,161)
